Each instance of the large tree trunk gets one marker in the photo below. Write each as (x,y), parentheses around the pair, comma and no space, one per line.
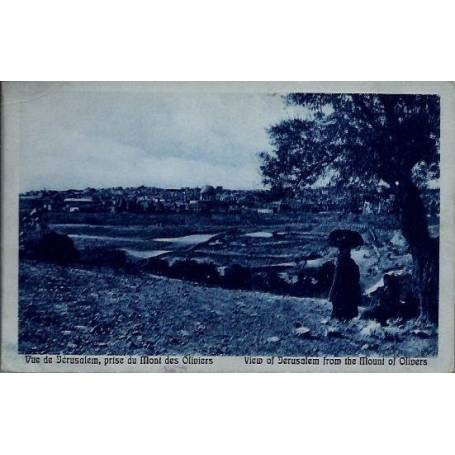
(424,249)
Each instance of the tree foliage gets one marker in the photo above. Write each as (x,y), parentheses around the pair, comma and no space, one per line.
(357,139)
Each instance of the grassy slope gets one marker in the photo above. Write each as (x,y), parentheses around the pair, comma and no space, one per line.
(81,311)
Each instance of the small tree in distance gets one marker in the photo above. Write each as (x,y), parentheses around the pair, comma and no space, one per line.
(361,139)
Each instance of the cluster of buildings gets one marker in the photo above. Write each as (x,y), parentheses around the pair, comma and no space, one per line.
(141,200)
(209,199)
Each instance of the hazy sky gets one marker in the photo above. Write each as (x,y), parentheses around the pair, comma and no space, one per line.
(78,138)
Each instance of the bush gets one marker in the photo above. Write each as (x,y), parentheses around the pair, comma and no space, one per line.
(275,283)
(52,247)
(314,282)
(306,286)
(207,273)
(258,281)
(155,265)
(237,277)
(269,281)
(194,271)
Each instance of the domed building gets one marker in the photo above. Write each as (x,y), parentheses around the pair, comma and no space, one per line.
(208,193)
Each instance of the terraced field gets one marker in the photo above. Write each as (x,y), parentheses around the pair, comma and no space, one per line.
(286,244)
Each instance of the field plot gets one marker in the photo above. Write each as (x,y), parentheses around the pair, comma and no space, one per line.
(285,244)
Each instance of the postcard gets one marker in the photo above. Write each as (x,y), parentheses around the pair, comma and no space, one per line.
(228,227)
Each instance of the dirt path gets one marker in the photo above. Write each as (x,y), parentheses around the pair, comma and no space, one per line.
(82,311)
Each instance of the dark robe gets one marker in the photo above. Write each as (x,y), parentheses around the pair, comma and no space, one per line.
(345,293)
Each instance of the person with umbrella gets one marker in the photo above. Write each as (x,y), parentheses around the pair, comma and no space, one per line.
(345,293)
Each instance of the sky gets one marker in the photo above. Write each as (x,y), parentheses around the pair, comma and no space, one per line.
(105,136)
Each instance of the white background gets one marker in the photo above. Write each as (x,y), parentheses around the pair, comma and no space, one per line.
(226,40)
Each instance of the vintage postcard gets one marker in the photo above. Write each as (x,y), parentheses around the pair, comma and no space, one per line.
(227,227)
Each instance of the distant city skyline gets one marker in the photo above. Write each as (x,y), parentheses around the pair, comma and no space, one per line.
(136,187)
(76,138)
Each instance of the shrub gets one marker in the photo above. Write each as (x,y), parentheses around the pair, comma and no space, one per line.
(258,281)
(155,265)
(313,282)
(306,286)
(269,281)
(194,271)
(52,247)
(275,283)
(181,269)
(206,273)
(237,277)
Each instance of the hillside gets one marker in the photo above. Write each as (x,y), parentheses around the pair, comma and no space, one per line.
(97,311)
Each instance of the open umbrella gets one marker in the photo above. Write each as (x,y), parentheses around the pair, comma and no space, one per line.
(345,238)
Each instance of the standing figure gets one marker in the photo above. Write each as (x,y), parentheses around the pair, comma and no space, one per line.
(345,293)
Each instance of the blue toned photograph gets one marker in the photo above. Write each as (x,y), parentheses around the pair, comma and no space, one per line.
(207,220)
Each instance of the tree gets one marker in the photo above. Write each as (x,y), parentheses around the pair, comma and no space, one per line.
(359,140)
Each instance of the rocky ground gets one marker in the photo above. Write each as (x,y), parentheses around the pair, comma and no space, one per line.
(75,310)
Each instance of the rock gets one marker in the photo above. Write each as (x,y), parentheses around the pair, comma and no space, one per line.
(398,239)
(372,328)
(200,328)
(302,331)
(392,333)
(273,339)
(82,328)
(420,333)
(333,332)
